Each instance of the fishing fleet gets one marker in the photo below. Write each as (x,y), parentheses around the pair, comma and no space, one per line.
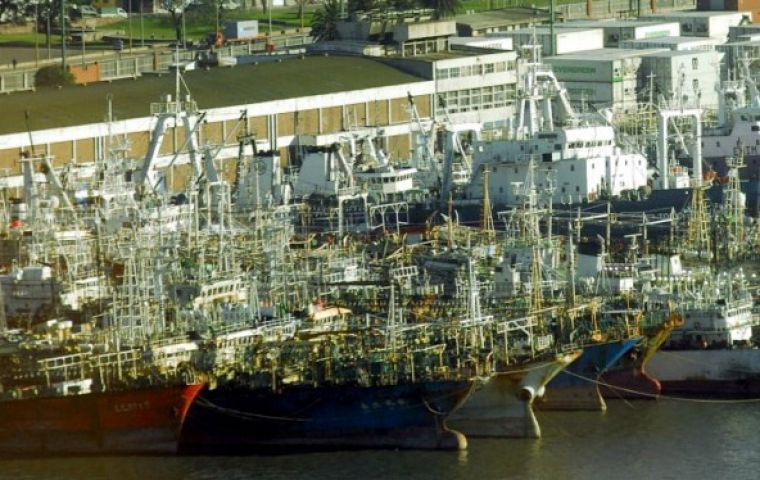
(360,301)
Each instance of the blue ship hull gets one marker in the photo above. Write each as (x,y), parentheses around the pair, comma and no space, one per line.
(237,417)
(575,388)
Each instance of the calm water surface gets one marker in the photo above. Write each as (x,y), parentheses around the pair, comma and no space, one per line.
(638,440)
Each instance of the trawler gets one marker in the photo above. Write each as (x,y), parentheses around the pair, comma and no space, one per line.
(738,129)
(713,353)
(575,157)
(92,401)
(388,385)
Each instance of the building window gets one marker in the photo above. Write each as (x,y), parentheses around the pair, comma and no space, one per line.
(577,188)
(695,63)
(572,168)
(695,85)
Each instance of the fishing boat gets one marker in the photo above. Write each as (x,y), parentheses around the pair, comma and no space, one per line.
(242,416)
(501,405)
(630,379)
(577,386)
(713,352)
(85,403)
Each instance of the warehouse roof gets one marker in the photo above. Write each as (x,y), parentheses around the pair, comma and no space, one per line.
(681,53)
(506,16)
(617,23)
(219,87)
(673,40)
(693,14)
(605,54)
(545,30)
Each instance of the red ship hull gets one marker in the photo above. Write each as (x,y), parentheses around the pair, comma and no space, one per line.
(140,421)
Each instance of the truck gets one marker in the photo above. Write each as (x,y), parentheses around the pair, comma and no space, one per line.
(241,31)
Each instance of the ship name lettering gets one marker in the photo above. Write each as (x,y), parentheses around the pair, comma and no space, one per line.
(127,407)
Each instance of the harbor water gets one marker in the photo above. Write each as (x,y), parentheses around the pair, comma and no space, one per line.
(666,439)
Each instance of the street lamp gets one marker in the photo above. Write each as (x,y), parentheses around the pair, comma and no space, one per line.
(63,35)
(142,26)
(129,19)
(36,34)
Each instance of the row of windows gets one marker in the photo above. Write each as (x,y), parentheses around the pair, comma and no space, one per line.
(399,178)
(478,69)
(485,98)
(591,144)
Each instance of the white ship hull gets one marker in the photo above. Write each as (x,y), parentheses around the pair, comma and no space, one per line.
(502,407)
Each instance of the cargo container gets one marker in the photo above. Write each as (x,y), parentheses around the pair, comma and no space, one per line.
(612,73)
(241,30)
(672,43)
(496,43)
(621,30)
(565,40)
(704,24)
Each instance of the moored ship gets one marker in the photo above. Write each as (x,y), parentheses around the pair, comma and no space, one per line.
(712,353)
(241,416)
(577,387)
(58,403)
(503,405)
(144,420)
(630,379)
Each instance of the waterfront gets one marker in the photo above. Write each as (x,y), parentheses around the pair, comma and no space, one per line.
(665,439)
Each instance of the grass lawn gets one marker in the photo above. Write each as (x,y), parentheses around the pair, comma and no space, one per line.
(480,5)
(218,87)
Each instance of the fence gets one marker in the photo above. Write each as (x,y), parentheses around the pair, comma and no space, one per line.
(620,8)
(16,81)
(119,66)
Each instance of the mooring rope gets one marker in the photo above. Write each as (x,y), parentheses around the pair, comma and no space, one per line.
(661,396)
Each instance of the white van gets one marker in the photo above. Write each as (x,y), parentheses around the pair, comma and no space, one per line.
(111,12)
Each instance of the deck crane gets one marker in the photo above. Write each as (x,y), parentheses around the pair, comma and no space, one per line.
(429,161)
(454,173)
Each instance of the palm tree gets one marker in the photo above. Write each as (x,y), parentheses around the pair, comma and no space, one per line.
(324,22)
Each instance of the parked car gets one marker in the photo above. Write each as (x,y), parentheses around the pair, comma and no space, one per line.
(111,12)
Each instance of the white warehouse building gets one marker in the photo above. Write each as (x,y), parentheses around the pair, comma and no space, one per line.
(604,77)
(691,74)
(616,31)
(563,40)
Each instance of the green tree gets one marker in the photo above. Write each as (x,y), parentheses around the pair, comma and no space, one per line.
(301,4)
(363,5)
(324,22)
(402,5)
(443,8)
(177,10)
